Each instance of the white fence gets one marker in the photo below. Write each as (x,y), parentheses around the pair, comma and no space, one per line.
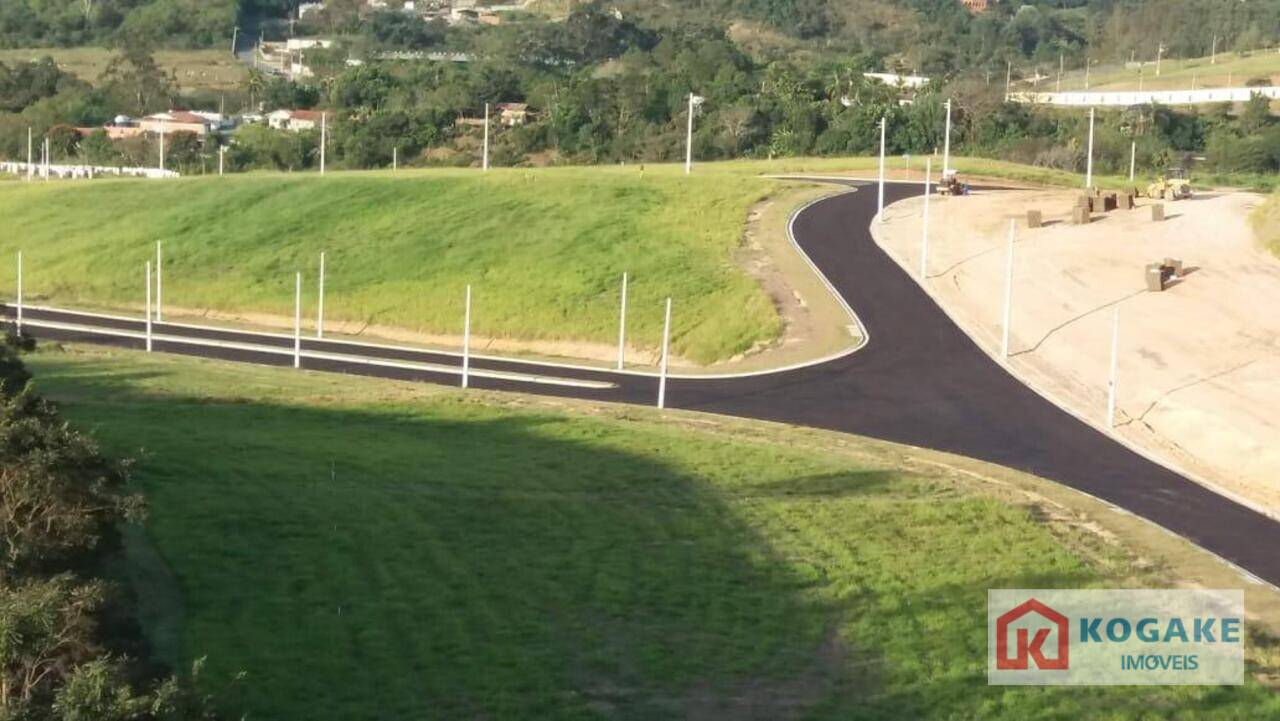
(83,171)
(1146,97)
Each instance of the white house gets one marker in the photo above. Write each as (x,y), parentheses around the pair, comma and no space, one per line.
(294,120)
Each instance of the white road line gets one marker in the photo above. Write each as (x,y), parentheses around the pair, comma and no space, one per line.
(339,357)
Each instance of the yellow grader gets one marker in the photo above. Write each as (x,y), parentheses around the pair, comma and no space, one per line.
(1173,185)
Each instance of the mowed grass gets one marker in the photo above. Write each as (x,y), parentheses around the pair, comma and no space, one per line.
(1230,70)
(377,550)
(214,69)
(543,249)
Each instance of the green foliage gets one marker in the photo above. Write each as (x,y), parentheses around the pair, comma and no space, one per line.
(184,23)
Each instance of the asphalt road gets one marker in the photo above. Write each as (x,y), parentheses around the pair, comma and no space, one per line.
(920,380)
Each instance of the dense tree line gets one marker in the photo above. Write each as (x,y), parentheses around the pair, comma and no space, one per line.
(63,629)
(604,87)
(178,23)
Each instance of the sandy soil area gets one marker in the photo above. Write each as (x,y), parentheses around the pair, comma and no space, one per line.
(1199,364)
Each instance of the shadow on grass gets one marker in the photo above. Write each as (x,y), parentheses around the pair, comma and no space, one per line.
(452,560)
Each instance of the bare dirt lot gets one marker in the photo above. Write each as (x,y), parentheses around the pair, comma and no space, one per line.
(1199,364)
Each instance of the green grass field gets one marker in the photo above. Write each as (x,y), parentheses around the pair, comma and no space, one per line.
(375,550)
(544,249)
(194,69)
(1230,70)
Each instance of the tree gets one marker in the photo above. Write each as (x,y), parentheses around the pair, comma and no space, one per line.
(137,83)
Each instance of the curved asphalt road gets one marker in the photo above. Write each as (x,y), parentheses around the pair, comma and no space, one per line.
(920,380)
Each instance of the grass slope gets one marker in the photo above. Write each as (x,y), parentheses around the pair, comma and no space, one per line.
(545,249)
(1230,70)
(194,69)
(373,550)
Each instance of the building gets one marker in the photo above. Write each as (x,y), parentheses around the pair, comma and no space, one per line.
(976,6)
(181,121)
(513,114)
(294,120)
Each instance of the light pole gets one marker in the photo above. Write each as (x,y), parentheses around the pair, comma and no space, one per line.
(324,138)
(1062,60)
(946,143)
(1213,58)
(1133,160)
(19,322)
(148,306)
(162,129)
(30,154)
(880,198)
(1159,57)
(1088,178)
(235,35)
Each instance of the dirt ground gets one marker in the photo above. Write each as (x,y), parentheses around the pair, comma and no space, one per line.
(1199,364)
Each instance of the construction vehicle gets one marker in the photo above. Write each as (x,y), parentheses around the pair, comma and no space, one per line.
(1172,185)
(951,185)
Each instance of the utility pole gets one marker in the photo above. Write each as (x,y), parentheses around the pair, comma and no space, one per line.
(222,152)
(1088,178)
(395,159)
(324,138)
(30,154)
(1087,65)
(162,129)
(1213,58)
(1133,160)
(235,35)
(1062,60)
(946,143)
(1008,80)
(19,321)
(1159,57)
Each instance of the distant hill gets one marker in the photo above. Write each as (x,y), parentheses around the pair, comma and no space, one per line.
(941,35)
(66,23)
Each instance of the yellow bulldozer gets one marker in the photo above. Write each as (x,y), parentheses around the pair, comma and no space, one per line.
(1172,185)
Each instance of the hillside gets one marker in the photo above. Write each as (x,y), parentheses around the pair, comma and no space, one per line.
(1229,70)
(545,251)
(366,550)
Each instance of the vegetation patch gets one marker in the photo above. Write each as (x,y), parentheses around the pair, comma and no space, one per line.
(367,549)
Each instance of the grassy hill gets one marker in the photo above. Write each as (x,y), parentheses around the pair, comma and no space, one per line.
(211,70)
(1230,70)
(369,550)
(544,249)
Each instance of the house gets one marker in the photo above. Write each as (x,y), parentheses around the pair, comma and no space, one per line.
(180,121)
(513,114)
(976,6)
(295,120)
